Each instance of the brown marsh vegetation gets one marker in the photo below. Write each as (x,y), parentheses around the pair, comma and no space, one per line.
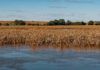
(51,36)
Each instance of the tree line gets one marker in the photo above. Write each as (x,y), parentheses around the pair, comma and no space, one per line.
(54,22)
(63,22)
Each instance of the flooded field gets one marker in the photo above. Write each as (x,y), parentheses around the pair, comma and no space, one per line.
(48,59)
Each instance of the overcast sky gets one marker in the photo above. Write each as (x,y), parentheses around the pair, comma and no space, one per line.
(44,10)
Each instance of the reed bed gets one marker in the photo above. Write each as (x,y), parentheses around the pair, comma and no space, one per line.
(46,37)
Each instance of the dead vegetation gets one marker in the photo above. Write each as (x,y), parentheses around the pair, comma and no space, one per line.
(51,36)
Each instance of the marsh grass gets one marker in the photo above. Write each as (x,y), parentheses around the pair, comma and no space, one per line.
(55,37)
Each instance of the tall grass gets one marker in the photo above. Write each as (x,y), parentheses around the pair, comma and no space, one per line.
(38,37)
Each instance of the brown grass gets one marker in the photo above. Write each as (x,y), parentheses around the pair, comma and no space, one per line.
(51,36)
(53,27)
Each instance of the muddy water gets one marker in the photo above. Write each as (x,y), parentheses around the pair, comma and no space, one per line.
(48,59)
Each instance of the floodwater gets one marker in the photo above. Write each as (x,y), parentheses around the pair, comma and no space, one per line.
(48,59)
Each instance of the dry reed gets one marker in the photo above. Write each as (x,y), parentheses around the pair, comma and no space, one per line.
(38,37)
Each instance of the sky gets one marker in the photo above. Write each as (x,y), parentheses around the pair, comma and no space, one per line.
(46,10)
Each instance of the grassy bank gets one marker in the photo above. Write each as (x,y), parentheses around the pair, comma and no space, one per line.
(51,36)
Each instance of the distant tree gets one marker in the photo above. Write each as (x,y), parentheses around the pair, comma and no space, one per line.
(51,23)
(76,23)
(57,22)
(19,22)
(61,22)
(91,23)
(0,24)
(97,22)
(6,24)
(68,22)
(83,23)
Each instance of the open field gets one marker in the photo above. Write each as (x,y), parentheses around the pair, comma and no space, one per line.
(51,36)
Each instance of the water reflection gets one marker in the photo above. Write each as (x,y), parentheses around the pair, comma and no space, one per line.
(48,59)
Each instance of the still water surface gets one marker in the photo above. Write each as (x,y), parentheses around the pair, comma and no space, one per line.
(48,59)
